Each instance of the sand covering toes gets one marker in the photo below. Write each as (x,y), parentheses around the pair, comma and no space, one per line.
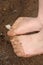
(17,46)
(27,45)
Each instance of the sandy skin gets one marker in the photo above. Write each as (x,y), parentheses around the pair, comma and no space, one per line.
(31,44)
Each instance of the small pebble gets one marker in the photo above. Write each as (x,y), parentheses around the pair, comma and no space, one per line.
(8,26)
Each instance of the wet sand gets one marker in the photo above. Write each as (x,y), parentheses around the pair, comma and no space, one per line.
(10,10)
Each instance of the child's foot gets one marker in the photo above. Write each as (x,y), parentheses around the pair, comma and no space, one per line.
(31,44)
(25,25)
(27,45)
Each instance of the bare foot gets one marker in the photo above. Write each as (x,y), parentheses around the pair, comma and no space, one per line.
(27,36)
(25,25)
(25,41)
